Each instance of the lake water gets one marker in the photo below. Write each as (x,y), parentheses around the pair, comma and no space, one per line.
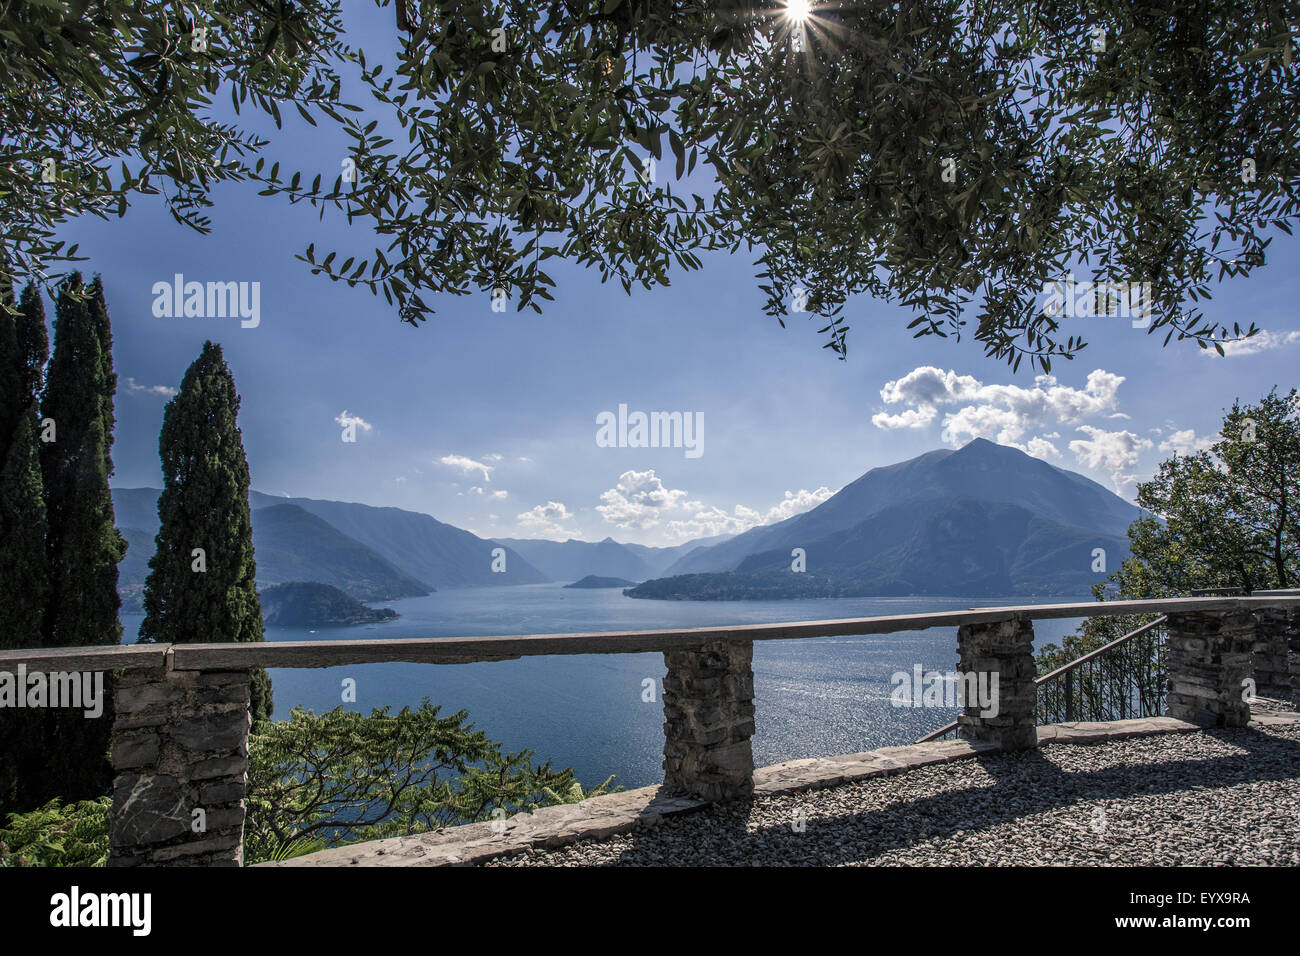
(814,697)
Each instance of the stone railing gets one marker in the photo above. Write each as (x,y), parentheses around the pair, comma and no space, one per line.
(181,720)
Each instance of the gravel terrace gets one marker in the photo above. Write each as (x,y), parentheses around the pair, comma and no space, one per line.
(1214,797)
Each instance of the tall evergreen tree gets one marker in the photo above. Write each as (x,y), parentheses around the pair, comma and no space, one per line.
(201,579)
(83,546)
(23,567)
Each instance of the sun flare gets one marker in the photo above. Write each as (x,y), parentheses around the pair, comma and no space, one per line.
(797,11)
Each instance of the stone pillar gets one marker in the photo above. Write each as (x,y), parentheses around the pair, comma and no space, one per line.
(1274,632)
(1209,661)
(1004,649)
(180,762)
(709,720)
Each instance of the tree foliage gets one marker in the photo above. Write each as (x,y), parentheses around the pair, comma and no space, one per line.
(1225,517)
(24,565)
(201,583)
(342,777)
(83,546)
(58,835)
(1139,142)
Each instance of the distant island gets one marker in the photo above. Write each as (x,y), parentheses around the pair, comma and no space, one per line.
(594,581)
(311,604)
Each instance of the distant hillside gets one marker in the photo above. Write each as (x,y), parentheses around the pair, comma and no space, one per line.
(592,581)
(438,554)
(964,547)
(570,560)
(980,470)
(308,604)
(289,543)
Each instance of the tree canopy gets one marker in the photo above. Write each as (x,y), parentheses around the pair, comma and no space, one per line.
(952,157)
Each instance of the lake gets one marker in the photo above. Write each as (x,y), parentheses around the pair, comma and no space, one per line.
(814,697)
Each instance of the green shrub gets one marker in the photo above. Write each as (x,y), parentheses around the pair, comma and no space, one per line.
(55,835)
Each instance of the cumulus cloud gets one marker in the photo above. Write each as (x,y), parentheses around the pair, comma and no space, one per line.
(638,500)
(641,500)
(1002,413)
(166,391)
(1185,442)
(1042,448)
(1113,452)
(546,519)
(1262,342)
(476,490)
(467,465)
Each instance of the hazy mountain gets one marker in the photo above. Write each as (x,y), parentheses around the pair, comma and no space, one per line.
(980,470)
(290,544)
(661,559)
(571,560)
(438,554)
(293,545)
(962,547)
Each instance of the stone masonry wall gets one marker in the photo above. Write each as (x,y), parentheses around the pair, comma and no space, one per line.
(1209,660)
(1005,648)
(180,745)
(709,721)
(1275,631)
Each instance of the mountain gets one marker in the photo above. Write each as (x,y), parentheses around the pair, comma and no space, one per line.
(438,554)
(570,560)
(290,544)
(308,604)
(962,547)
(980,470)
(983,520)
(661,559)
(293,545)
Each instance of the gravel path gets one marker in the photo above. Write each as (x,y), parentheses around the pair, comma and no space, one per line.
(1217,797)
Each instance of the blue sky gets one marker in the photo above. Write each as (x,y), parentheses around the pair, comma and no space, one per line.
(488,420)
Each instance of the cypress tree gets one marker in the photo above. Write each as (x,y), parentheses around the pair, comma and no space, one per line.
(201,578)
(23,567)
(83,546)
(22,507)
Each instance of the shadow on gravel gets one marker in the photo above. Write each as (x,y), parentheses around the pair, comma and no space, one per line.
(1023,784)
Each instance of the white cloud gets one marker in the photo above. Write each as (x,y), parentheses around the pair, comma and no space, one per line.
(1042,448)
(1113,452)
(1003,413)
(166,391)
(1262,342)
(638,500)
(545,519)
(1185,442)
(797,503)
(467,465)
(492,457)
(346,420)
(641,500)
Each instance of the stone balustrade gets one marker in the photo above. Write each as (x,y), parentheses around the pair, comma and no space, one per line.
(180,734)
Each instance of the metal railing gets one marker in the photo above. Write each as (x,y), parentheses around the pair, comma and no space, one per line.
(1121,680)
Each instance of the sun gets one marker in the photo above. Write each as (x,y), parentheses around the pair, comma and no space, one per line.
(797,11)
